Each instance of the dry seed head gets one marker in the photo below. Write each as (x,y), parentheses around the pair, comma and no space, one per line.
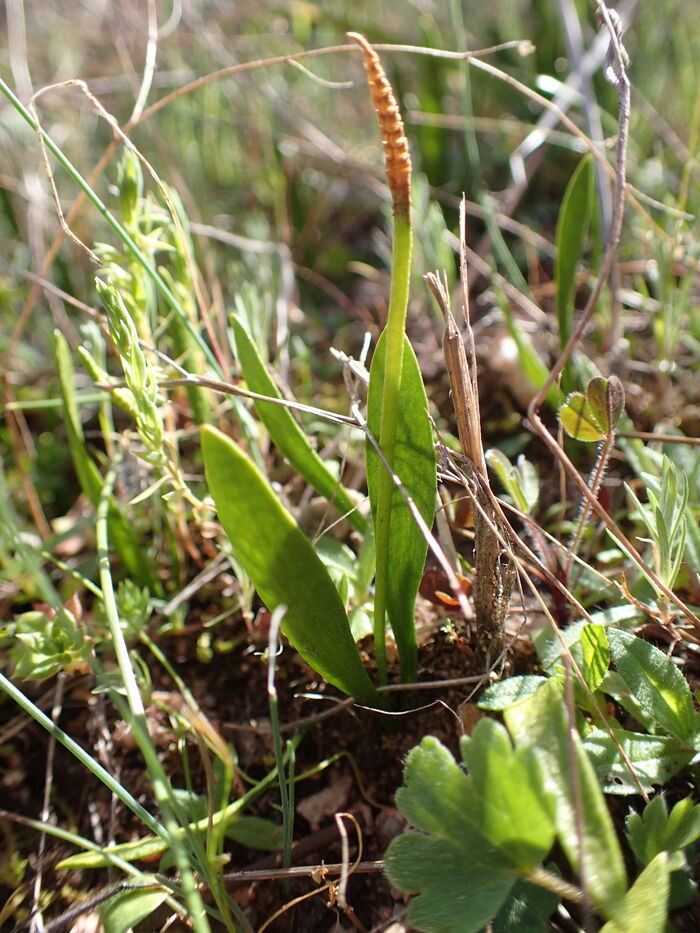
(396,153)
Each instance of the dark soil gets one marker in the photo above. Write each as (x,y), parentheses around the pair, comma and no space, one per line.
(231,689)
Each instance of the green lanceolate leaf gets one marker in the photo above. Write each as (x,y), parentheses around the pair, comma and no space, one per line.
(595,655)
(489,826)
(519,481)
(584,826)
(286,433)
(572,229)
(509,691)
(533,366)
(655,682)
(414,463)
(283,566)
(256,833)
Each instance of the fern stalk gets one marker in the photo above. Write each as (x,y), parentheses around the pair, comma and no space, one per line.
(398,173)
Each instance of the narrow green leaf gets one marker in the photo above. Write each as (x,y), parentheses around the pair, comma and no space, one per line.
(572,229)
(414,463)
(146,848)
(533,366)
(517,484)
(578,420)
(529,482)
(595,655)
(126,909)
(283,566)
(656,683)
(587,836)
(286,433)
(645,906)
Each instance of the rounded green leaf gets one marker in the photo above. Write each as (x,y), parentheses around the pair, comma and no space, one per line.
(578,419)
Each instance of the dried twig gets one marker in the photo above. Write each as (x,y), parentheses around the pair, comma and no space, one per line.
(494,569)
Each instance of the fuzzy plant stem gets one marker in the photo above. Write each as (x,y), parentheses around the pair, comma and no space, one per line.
(594,485)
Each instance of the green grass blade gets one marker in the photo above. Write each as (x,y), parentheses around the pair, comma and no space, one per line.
(572,229)
(84,758)
(126,239)
(414,463)
(286,433)
(283,566)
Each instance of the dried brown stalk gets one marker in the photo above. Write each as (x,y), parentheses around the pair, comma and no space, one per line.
(396,152)
(495,571)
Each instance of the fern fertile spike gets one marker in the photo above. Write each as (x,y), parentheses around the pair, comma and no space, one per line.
(396,152)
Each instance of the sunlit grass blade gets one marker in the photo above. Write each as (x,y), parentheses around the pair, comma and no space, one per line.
(572,229)
(286,433)
(118,229)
